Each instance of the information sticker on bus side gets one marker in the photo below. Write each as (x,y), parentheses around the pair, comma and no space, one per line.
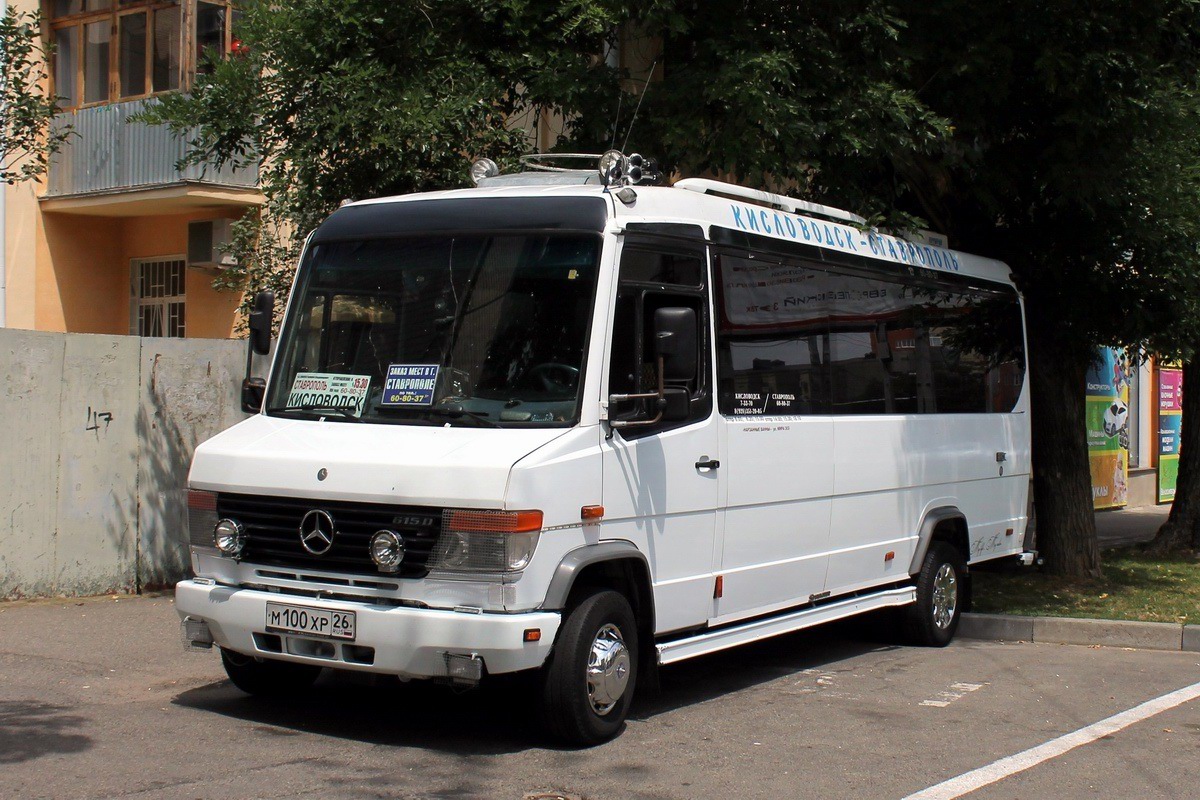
(329,390)
(409,385)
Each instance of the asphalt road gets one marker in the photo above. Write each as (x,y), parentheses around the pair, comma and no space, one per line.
(99,699)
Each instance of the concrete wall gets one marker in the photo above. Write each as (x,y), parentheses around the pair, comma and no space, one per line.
(97,438)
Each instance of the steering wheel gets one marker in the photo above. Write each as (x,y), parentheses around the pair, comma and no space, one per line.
(552,376)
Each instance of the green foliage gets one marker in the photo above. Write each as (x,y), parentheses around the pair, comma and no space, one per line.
(1073,156)
(359,98)
(265,251)
(362,98)
(769,94)
(27,139)
(1060,140)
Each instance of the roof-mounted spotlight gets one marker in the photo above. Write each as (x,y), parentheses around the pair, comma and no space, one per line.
(611,167)
(617,169)
(643,170)
(483,168)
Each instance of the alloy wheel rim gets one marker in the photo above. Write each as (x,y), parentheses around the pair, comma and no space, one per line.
(608,669)
(945,596)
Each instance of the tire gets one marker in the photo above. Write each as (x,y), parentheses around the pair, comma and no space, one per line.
(266,677)
(577,708)
(941,597)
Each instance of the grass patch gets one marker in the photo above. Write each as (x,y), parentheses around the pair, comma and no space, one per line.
(1135,586)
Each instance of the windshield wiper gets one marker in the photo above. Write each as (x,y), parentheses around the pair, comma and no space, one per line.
(318,409)
(457,412)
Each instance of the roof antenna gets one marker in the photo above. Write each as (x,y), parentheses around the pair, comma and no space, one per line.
(617,120)
(649,75)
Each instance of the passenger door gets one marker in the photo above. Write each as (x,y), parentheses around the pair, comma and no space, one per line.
(661,481)
(777,437)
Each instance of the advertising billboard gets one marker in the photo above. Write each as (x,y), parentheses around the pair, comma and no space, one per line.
(1108,427)
(1170,413)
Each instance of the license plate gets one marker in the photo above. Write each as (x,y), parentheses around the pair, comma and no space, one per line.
(311,621)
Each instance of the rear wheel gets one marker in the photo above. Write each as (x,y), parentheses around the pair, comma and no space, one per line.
(941,595)
(265,677)
(588,684)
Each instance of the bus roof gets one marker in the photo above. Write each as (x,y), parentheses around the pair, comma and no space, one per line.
(727,216)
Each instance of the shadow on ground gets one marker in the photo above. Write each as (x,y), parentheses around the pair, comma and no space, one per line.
(499,716)
(30,729)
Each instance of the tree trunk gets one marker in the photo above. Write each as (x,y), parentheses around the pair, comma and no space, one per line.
(1182,528)
(1062,484)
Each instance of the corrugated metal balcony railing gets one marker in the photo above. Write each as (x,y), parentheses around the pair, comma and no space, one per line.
(109,154)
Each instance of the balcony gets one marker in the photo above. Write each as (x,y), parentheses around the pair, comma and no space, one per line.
(110,162)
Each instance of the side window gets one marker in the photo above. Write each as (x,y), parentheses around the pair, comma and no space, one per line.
(651,278)
(795,338)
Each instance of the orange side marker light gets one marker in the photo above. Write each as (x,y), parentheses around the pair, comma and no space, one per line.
(591,513)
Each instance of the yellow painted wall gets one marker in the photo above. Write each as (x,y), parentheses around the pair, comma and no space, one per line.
(210,314)
(21,237)
(20,245)
(74,272)
(81,287)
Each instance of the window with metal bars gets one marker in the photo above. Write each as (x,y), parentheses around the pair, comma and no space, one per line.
(158,297)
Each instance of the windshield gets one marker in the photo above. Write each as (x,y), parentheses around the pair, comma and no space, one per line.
(481,330)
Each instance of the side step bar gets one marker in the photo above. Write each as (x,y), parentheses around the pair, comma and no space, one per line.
(711,641)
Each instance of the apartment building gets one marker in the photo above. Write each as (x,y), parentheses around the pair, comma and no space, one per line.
(101,244)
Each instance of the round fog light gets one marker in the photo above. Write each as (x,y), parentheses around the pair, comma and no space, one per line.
(387,550)
(230,537)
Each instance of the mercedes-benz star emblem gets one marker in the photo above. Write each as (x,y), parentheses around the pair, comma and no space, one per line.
(317,531)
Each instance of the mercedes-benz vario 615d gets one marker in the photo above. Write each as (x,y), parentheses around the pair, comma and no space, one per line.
(577,425)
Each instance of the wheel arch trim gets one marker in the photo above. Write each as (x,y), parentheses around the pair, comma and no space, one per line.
(575,561)
(933,518)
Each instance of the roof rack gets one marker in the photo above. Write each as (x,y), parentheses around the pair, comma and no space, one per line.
(792,204)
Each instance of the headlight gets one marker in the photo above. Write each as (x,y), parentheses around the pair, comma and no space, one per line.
(387,550)
(230,537)
(486,541)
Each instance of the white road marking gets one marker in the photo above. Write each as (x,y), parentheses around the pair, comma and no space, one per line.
(998,770)
(957,691)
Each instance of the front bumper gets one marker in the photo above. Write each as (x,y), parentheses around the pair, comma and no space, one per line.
(412,642)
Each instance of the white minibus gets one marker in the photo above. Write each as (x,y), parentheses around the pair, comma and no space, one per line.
(571,423)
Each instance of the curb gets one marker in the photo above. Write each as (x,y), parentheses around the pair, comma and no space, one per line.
(1061,630)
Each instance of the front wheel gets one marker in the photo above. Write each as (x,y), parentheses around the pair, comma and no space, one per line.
(266,677)
(588,684)
(941,593)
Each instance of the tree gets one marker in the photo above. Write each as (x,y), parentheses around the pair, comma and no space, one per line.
(361,98)
(1072,159)
(27,139)
(1059,140)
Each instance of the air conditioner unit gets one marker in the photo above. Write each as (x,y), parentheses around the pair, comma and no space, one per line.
(208,240)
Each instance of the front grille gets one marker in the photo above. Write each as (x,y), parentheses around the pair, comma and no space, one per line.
(273,532)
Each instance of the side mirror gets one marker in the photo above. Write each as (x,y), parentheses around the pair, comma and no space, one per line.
(675,342)
(260,322)
(253,392)
(676,404)
(675,337)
